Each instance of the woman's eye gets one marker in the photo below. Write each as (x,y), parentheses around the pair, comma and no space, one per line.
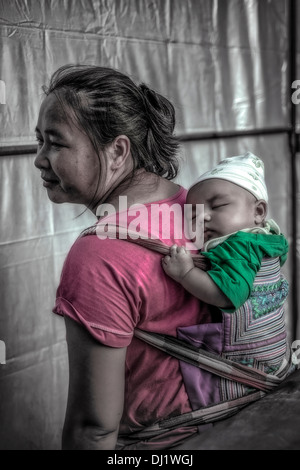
(56,145)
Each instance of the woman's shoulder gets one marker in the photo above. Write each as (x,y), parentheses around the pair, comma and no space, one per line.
(95,244)
(91,254)
(92,245)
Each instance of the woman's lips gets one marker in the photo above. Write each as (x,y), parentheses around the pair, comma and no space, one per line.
(47,183)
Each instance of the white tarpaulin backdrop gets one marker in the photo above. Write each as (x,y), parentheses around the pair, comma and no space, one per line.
(225,66)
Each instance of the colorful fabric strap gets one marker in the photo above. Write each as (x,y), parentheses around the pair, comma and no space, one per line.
(217,365)
(122,233)
(208,414)
(212,363)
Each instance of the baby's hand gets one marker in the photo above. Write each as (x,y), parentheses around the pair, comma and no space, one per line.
(178,263)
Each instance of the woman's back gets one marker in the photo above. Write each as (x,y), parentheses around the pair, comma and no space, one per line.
(118,286)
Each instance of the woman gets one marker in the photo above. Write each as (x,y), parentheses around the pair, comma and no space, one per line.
(100,136)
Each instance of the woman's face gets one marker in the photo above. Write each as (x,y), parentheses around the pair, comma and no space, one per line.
(66,157)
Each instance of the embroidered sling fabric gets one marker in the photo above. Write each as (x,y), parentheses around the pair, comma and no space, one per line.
(249,350)
(220,366)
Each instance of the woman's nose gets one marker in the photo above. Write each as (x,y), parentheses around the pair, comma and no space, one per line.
(41,161)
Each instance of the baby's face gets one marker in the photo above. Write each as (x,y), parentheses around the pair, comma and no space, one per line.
(227,207)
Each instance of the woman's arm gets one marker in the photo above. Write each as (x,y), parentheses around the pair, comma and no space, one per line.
(96,391)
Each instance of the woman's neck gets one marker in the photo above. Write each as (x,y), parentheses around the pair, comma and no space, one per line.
(141,188)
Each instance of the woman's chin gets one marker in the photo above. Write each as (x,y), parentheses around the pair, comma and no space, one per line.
(57,196)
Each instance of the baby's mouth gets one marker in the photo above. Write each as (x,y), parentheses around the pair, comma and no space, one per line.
(208,233)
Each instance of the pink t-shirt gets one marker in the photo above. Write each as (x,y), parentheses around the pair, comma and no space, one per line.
(112,286)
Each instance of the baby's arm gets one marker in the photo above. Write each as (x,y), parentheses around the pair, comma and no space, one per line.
(179,266)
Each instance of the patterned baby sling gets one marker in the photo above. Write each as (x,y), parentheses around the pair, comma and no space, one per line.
(238,361)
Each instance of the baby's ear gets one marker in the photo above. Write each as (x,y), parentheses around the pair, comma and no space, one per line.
(261,210)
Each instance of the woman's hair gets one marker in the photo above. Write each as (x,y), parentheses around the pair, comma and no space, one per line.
(107,103)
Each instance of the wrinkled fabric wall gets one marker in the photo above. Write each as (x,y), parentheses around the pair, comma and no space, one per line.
(223,63)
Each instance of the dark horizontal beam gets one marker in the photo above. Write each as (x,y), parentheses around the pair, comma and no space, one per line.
(22,149)
(232,134)
(30,148)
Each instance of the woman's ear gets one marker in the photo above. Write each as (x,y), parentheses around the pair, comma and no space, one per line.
(120,151)
(261,210)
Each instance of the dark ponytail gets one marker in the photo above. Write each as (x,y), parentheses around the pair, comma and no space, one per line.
(107,103)
(161,143)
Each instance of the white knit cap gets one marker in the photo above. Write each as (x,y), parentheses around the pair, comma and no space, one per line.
(245,170)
